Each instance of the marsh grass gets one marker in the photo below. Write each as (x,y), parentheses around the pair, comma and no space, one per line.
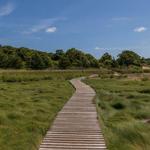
(29,102)
(26,75)
(122,106)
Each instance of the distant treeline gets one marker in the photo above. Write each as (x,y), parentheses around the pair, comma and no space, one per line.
(25,58)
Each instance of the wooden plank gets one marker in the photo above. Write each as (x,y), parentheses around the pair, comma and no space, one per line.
(76,126)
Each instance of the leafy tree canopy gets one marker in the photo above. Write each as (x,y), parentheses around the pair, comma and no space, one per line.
(106,60)
(127,58)
(17,58)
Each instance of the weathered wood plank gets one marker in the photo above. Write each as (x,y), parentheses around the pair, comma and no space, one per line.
(76,125)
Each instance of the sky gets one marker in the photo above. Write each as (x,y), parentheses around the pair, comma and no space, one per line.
(93,26)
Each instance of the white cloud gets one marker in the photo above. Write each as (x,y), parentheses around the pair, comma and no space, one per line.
(98,48)
(111,48)
(45,25)
(6,9)
(140,29)
(51,29)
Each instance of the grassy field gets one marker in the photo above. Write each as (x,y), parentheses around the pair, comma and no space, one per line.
(29,102)
(28,107)
(32,75)
(124,110)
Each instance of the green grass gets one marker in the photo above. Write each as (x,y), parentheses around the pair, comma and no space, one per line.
(122,106)
(32,75)
(29,102)
(27,110)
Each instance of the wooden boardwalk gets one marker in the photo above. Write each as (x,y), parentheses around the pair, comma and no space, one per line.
(76,126)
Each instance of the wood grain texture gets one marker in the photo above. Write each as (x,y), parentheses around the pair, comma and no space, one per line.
(76,126)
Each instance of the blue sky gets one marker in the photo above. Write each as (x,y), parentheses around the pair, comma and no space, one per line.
(94,26)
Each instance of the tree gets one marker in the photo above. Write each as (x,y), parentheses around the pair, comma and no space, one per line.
(58,54)
(46,60)
(114,63)
(127,58)
(84,62)
(77,58)
(16,62)
(37,61)
(92,60)
(3,60)
(64,62)
(73,54)
(12,57)
(106,60)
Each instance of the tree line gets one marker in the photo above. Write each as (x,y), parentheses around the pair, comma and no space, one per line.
(25,58)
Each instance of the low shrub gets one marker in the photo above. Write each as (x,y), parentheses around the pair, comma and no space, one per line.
(118,105)
(147,91)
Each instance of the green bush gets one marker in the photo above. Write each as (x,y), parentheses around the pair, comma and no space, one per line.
(118,105)
(147,91)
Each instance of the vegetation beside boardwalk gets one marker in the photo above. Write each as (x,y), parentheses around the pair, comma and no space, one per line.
(28,108)
(29,102)
(32,75)
(32,95)
(124,109)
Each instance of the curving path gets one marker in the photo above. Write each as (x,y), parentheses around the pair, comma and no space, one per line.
(76,126)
